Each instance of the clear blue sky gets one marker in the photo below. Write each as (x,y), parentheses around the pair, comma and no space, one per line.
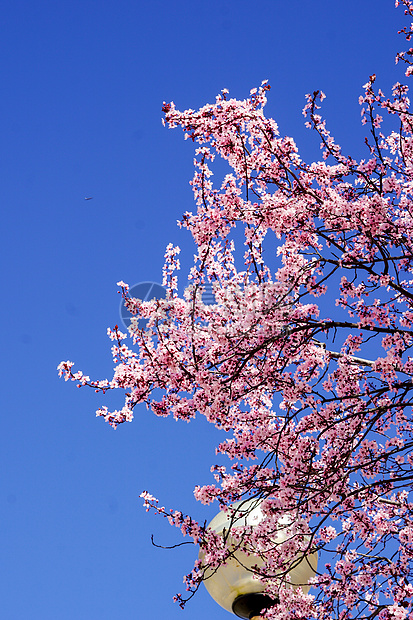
(82,84)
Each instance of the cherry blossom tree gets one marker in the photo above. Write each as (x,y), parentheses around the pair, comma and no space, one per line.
(305,358)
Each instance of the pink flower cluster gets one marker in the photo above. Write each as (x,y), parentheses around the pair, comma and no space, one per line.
(305,358)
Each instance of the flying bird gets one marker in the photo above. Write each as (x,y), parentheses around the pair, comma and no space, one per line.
(88,198)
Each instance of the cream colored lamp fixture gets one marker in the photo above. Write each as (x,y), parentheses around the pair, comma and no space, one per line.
(232,586)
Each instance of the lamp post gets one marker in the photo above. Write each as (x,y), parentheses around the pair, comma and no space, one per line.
(233,585)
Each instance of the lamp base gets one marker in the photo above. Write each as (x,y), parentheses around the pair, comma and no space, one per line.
(250,605)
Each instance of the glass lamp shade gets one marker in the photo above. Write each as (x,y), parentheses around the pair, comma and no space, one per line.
(235,579)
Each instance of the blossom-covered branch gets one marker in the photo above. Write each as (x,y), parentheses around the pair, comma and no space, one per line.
(305,358)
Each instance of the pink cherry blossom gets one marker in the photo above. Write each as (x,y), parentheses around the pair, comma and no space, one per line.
(305,358)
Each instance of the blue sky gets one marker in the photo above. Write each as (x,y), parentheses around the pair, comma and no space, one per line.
(82,89)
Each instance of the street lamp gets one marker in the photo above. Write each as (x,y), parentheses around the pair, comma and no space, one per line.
(233,585)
